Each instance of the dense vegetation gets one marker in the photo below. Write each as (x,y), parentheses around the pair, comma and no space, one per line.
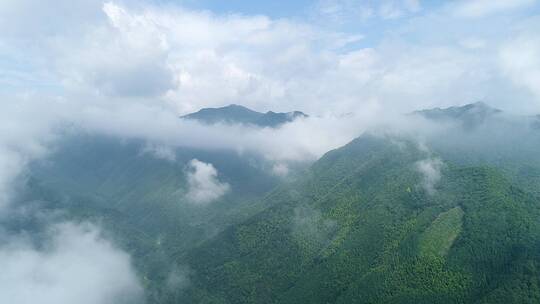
(140,199)
(364,224)
(374,236)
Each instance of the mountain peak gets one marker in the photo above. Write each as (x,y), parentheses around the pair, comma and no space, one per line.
(238,114)
(470,115)
(235,106)
(479,106)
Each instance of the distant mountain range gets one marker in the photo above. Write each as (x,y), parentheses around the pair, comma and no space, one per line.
(470,115)
(236,114)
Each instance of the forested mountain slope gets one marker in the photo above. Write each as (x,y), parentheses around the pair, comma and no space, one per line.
(365,226)
(417,216)
(141,199)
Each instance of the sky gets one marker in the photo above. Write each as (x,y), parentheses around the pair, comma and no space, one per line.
(273,9)
(128,69)
(336,56)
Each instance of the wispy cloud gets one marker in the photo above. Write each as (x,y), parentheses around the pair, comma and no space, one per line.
(430,169)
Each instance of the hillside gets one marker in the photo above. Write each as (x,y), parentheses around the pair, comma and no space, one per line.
(446,217)
(141,200)
(360,228)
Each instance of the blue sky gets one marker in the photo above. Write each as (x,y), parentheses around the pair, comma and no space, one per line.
(275,9)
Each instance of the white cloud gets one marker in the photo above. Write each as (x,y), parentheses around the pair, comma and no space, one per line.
(26,129)
(430,169)
(181,60)
(162,128)
(76,265)
(520,59)
(38,19)
(481,8)
(72,263)
(125,57)
(203,183)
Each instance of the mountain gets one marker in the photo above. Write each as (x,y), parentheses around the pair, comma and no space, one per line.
(469,115)
(362,227)
(235,114)
(477,134)
(141,200)
(139,193)
(452,218)
(387,220)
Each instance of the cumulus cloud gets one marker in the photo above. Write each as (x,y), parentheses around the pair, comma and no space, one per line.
(203,183)
(73,265)
(127,57)
(430,169)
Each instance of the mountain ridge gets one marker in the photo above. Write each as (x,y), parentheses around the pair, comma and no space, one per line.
(469,115)
(360,228)
(237,114)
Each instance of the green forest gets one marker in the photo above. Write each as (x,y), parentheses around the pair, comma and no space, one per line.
(383,219)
